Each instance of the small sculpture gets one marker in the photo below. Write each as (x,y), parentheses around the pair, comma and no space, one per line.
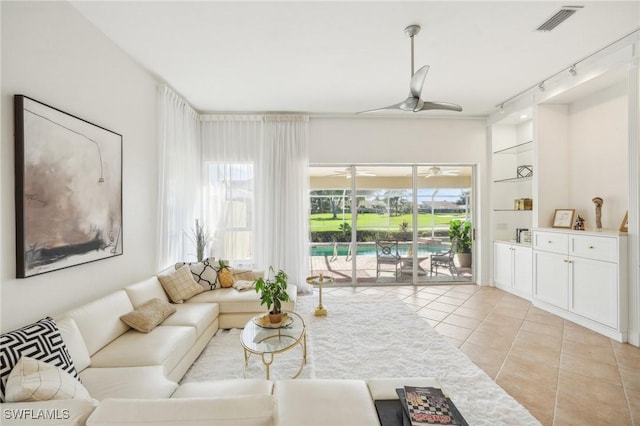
(598,202)
(579,224)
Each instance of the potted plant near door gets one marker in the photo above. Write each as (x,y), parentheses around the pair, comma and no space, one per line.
(273,291)
(462,231)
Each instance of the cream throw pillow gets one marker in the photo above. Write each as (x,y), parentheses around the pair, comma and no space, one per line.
(180,285)
(34,380)
(149,315)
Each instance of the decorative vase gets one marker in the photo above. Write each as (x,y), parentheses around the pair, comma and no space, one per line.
(275,318)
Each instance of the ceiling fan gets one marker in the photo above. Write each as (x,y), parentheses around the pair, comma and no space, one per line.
(437,171)
(414,102)
(346,172)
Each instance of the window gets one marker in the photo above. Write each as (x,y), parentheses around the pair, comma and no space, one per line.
(229,208)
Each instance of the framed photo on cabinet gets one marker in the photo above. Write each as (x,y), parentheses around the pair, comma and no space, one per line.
(563,218)
(624,226)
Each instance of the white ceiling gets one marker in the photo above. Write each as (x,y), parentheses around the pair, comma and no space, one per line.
(344,57)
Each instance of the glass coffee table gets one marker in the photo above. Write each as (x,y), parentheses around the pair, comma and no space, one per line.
(266,340)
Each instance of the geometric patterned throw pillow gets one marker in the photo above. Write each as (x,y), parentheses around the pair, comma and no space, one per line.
(203,272)
(40,340)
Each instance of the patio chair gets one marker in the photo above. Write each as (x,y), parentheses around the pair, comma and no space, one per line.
(387,254)
(445,259)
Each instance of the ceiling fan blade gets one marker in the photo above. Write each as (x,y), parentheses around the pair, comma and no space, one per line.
(390,107)
(440,105)
(417,81)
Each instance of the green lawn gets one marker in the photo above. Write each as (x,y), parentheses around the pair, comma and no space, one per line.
(381,222)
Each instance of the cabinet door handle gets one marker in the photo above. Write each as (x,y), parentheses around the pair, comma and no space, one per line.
(591,247)
(550,242)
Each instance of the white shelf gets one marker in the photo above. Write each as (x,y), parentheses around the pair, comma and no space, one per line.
(514,180)
(516,149)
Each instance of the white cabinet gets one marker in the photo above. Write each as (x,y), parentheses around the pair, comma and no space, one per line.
(551,278)
(594,290)
(581,276)
(512,269)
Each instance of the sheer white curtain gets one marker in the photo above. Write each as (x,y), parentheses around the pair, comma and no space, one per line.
(256,171)
(178,178)
(282,195)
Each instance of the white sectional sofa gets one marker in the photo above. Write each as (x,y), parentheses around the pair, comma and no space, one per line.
(133,376)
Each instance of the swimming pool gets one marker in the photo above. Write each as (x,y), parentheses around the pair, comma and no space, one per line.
(370,249)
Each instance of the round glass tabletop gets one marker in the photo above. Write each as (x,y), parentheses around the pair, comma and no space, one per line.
(262,340)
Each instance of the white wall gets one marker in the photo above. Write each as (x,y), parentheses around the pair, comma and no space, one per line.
(396,140)
(377,140)
(598,152)
(52,54)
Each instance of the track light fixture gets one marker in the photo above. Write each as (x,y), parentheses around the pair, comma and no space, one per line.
(572,70)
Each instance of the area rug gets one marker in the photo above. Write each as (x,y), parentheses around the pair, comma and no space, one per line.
(370,337)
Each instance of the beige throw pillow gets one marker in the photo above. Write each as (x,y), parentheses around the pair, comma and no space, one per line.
(149,315)
(243,274)
(180,285)
(34,380)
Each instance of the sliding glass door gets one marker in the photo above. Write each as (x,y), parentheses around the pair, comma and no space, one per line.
(388,224)
(330,224)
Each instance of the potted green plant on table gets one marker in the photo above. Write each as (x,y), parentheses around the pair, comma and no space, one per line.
(273,291)
(461,230)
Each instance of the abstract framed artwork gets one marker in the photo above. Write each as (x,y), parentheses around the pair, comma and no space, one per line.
(68,189)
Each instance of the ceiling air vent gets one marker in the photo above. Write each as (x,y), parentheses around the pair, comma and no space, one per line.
(558,18)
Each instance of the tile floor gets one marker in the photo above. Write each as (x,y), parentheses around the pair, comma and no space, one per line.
(563,373)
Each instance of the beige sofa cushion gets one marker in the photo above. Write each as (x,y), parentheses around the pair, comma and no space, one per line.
(224,388)
(163,346)
(34,380)
(234,301)
(386,388)
(198,315)
(318,402)
(179,284)
(78,411)
(74,341)
(128,382)
(236,411)
(146,317)
(99,321)
(143,291)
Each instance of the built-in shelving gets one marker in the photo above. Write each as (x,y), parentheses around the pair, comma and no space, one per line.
(512,146)
(514,180)
(516,149)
